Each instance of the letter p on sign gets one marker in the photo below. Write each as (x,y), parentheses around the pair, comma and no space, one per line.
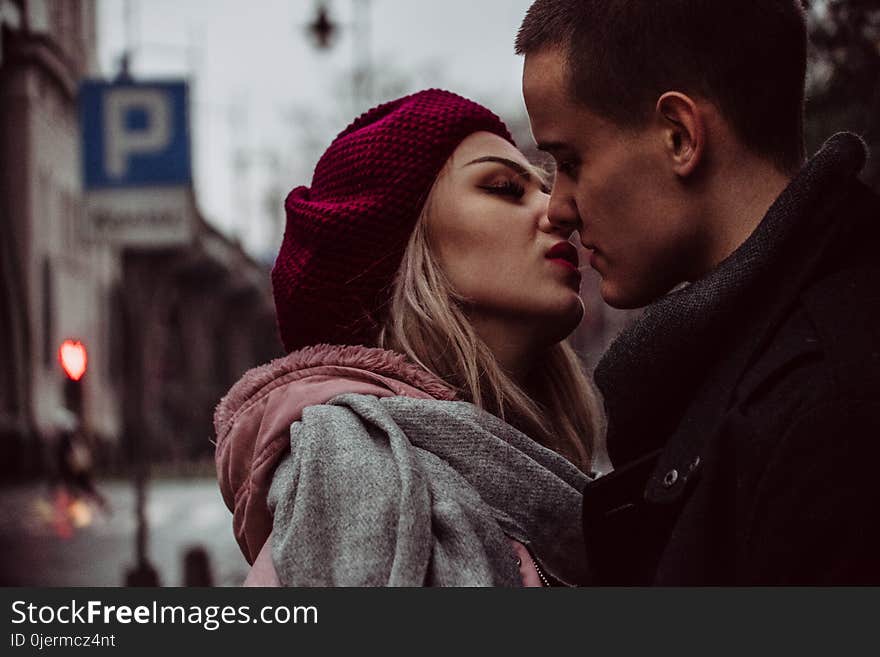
(122,140)
(135,134)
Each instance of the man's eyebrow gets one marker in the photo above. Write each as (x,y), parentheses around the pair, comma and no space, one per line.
(510,164)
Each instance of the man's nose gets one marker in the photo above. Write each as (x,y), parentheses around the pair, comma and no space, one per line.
(562,211)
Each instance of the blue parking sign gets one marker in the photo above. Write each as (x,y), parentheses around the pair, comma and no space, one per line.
(135,134)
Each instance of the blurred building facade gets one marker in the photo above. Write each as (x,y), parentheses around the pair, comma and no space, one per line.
(196,318)
(53,287)
(206,313)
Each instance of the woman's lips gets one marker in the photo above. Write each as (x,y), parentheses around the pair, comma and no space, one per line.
(564,263)
(565,254)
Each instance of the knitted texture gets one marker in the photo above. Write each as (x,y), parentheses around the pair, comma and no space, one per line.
(346,235)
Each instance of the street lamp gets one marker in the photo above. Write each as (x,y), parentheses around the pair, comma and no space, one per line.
(322,28)
(323,31)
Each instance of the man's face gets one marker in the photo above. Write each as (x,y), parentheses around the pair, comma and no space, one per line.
(615,186)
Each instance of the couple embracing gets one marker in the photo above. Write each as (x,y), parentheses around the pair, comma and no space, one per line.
(430,426)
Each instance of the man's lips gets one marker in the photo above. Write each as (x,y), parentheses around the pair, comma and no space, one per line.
(564,253)
(593,254)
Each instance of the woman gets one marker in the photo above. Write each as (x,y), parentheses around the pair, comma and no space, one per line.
(417,273)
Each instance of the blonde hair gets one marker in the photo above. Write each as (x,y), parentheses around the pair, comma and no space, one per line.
(427,323)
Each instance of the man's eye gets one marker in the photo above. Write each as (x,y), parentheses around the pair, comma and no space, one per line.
(567,167)
(507,188)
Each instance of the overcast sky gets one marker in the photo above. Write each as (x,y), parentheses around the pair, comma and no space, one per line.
(266,102)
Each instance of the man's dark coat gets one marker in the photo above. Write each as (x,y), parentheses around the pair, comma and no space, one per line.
(744,410)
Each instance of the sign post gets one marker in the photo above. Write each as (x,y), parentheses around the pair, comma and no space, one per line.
(138,188)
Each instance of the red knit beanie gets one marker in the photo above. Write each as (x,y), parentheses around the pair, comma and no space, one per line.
(346,235)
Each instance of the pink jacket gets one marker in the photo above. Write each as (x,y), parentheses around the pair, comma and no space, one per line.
(252,422)
(252,425)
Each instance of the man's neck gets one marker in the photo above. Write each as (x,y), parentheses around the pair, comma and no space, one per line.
(743,193)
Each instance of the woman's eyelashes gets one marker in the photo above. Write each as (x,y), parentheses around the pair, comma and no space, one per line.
(508,187)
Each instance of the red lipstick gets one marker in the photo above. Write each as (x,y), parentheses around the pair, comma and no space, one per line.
(565,253)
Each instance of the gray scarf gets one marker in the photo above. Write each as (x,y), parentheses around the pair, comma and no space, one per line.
(408,492)
(653,369)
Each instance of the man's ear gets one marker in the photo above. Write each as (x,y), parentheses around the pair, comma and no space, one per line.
(684,131)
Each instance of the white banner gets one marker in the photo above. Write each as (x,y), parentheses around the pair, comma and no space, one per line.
(150,217)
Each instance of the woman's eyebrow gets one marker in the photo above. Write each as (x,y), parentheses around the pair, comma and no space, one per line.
(510,164)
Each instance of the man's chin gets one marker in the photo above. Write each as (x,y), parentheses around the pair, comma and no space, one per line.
(620,298)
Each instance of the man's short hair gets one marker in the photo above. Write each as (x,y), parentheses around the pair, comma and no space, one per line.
(748,57)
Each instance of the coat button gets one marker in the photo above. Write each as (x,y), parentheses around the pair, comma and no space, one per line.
(670,478)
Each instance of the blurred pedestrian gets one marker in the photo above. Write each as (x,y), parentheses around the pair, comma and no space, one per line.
(74,467)
(419,271)
(197,567)
(744,405)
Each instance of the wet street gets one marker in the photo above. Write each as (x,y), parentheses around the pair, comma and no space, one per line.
(41,546)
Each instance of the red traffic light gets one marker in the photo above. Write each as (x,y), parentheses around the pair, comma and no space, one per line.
(73,358)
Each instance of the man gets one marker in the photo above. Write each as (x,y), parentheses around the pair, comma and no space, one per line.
(744,406)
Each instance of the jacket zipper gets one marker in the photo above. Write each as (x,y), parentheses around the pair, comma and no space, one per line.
(540,572)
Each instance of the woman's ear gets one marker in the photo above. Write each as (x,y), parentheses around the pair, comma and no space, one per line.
(684,129)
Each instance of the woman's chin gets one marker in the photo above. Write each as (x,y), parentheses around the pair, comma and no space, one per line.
(561,323)
(576,315)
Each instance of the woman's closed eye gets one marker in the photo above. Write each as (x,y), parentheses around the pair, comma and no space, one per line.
(508,187)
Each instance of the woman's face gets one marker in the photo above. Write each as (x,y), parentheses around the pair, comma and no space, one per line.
(488,226)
